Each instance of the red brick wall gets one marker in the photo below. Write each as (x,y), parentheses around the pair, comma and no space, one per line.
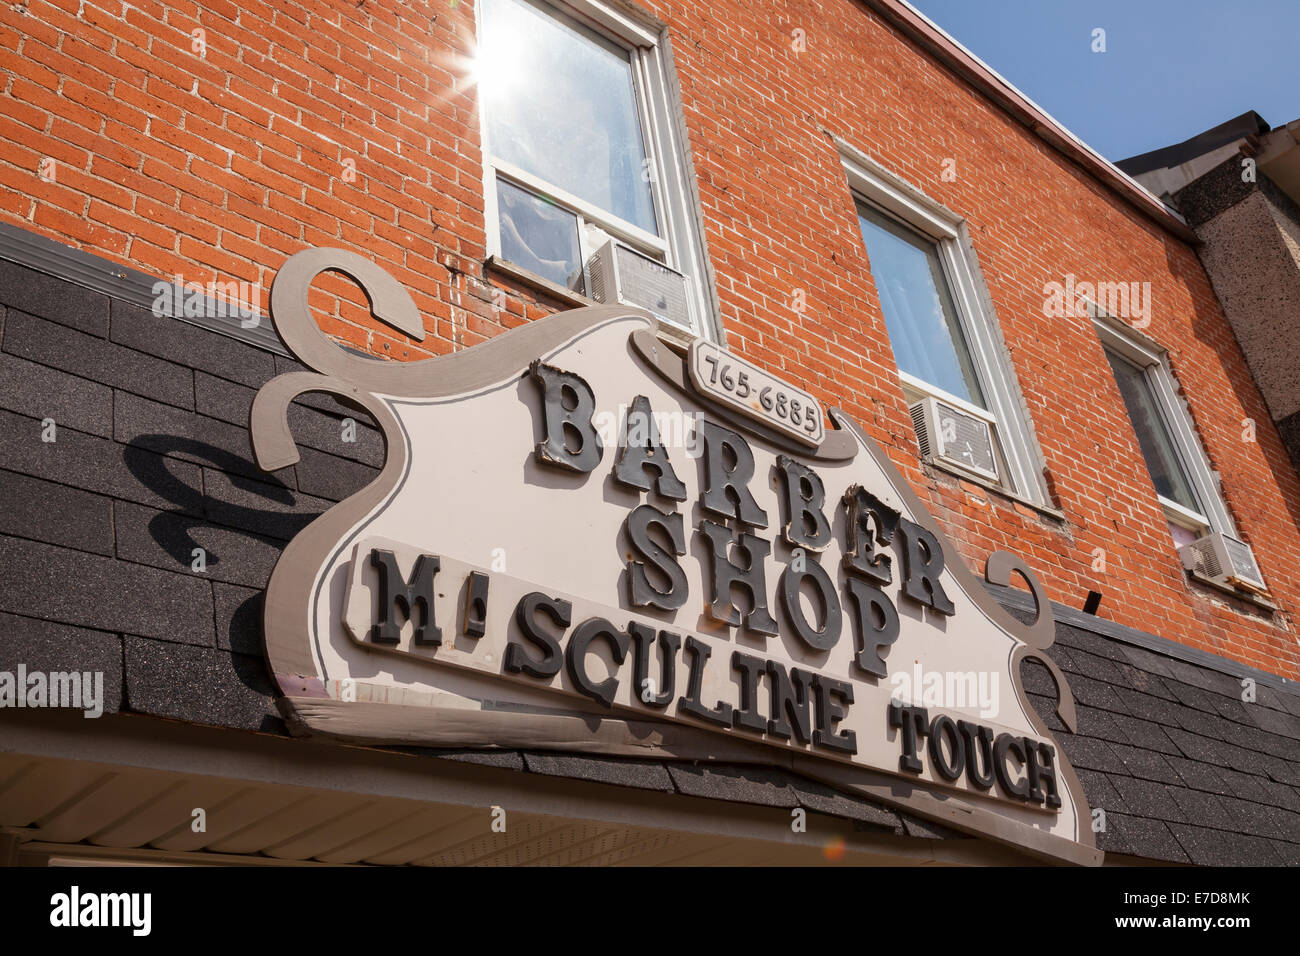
(218,166)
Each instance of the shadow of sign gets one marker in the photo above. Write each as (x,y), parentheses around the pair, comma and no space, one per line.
(172,530)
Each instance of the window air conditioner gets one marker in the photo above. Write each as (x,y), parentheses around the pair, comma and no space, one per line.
(956,437)
(1223,559)
(623,276)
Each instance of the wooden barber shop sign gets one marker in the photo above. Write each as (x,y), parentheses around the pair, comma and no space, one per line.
(584,540)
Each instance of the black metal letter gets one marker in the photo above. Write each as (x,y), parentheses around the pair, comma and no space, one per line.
(805,498)
(833,698)
(726,489)
(949,767)
(516,658)
(822,638)
(1041,768)
(978,743)
(406,597)
(790,697)
(690,703)
(641,449)
(866,513)
(922,565)
(1015,745)
(475,623)
(575,657)
(566,419)
(644,637)
(727,575)
(877,621)
(914,723)
(750,669)
(645,594)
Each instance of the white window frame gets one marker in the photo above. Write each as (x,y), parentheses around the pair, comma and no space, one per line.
(1015,442)
(659,110)
(1149,356)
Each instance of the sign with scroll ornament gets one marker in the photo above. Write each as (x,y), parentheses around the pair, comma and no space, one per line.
(576,544)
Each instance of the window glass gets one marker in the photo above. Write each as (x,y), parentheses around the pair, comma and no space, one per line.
(1167,472)
(918,307)
(539,236)
(1182,535)
(561,105)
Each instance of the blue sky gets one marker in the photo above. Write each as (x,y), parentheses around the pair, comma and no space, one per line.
(1171,69)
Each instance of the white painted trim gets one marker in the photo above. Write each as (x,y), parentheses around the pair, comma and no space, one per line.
(874,184)
(629,26)
(894,194)
(684,221)
(491,209)
(1189,519)
(1117,335)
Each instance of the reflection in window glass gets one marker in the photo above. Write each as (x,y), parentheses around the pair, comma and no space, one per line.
(560,105)
(918,307)
(539,236)
(1162,460)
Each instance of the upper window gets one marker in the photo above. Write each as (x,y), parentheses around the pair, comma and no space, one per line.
(919,312)
(949,353)
(580,151)
(1167,472)
(1184,484)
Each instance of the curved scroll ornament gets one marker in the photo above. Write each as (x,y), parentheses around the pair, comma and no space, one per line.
(358,382)
(462,474)
(1040,633)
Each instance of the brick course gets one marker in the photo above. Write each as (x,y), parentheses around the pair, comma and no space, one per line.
(218,166)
